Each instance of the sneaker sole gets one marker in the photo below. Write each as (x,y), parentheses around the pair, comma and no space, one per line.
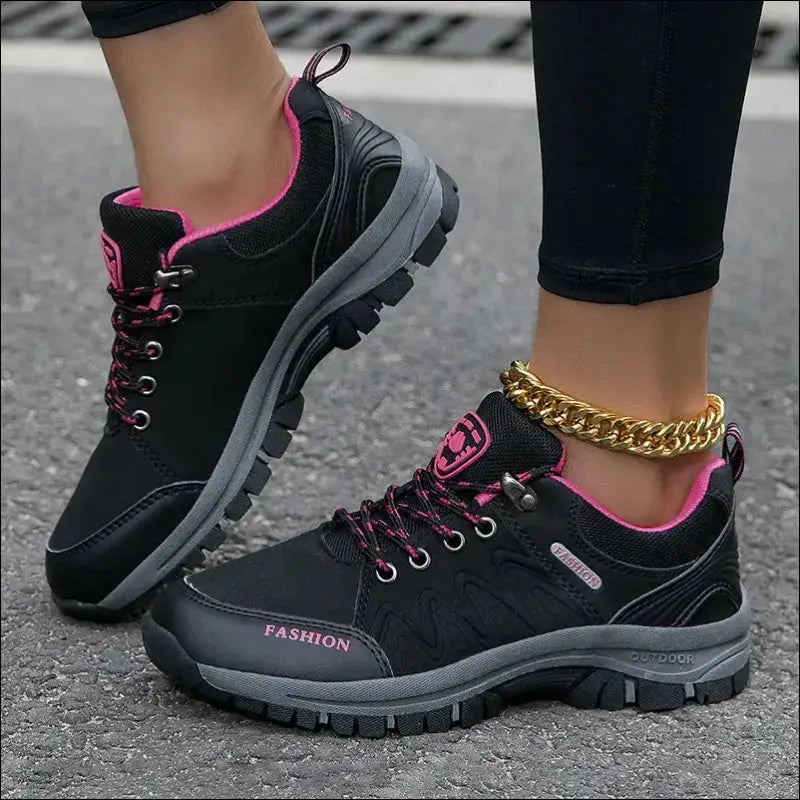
(607,667)
(341,305)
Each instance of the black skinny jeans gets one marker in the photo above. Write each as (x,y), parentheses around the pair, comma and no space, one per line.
(639,106)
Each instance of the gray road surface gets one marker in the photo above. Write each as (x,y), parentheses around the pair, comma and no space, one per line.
(84,714)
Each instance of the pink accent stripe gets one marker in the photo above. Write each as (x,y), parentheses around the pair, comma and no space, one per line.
(697,493)
(193,235)
(133,197)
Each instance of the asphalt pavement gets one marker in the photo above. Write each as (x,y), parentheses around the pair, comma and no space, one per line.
(85,715)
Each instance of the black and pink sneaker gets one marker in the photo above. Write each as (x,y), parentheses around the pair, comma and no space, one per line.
(216,332)
(486,579)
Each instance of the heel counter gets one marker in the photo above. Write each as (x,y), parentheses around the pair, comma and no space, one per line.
(361,183)
(376,185)
(375,158)
(709,589)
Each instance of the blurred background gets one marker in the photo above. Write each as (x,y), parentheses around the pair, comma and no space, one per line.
(84,714)
(449,29)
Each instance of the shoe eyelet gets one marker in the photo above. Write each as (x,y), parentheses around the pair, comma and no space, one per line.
(147,384)
(155,350)
(426,559)
(486,534)
(144,420)
(391,577)
(455,541)
(176,312)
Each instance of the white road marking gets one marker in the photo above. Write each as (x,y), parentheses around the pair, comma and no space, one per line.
(770,95)
(473,8)
(782,11)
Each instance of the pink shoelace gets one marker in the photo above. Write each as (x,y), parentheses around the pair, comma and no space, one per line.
(387,516)
(131,313)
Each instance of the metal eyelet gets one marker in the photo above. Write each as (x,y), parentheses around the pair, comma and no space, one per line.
(147,384)
(144,420)
(176,312)
(155,350)
(426,559)
(486,534)
(455,541)
(392,573)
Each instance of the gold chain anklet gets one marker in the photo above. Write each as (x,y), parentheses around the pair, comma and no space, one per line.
(641,437)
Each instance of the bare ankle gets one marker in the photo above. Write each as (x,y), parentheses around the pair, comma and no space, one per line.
(204,104)
(640,491)
(215,171)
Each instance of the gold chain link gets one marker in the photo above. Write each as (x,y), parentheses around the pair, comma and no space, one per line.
(641,437)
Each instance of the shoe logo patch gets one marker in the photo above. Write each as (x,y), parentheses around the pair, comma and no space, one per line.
(572,562)
(304,636)
(464,444)
(113,259)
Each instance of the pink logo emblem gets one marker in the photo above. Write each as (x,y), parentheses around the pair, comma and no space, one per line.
(466,442)
(113,259)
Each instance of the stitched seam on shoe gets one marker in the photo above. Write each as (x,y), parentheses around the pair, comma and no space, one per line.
(244,300)
(274,249)
(364,595)
(636,570)
(709,592)
(203,599)
(145,449)
(533,548)
(338,183)
(363,184)
(127,515)
(639,607)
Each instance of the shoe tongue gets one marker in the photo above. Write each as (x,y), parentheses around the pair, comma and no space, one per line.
(497,438)
(134,238)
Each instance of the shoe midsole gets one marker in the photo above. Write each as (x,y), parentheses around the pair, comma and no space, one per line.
(383,248)
(662,655)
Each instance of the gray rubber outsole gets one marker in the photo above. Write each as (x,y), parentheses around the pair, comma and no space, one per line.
(609,667)
(411,229)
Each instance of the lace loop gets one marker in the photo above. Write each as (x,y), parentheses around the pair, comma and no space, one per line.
(131,313)
(427,500)
(387,519)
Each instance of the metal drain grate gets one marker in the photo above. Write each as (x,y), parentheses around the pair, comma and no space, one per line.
(305,26)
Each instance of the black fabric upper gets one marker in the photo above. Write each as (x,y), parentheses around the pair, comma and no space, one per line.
(494,590)
(142,235)
(516,446)
(276,577)
(686,541)
(248,278)
(230,316)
